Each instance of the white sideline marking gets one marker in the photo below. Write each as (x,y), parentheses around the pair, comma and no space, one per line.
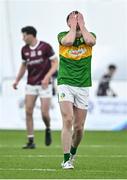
(59,156)
(58,146)
(53,170)
(21,169)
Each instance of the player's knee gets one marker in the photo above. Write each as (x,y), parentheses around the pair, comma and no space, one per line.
(45,114)
(29,111)
(68,124)
(68,121)
(79,132)
(79,128)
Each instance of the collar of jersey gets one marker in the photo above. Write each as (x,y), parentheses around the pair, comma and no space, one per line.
(34,47)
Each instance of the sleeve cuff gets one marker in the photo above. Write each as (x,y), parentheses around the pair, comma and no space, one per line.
(23,61)
(53,57)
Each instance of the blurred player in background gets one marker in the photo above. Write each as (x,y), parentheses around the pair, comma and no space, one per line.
(104,88)
(74,78)
(39,59)
(54,77)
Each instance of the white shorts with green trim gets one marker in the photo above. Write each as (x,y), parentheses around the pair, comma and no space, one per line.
(39,91)
(77,95)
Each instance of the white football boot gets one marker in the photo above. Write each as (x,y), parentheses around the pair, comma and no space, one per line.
(67,165)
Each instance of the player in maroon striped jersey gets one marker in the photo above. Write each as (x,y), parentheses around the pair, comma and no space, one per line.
(39,59)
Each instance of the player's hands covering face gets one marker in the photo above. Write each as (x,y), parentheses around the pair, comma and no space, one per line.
(73,20)
(80,20)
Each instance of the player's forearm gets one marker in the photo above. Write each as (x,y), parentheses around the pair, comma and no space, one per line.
(52,70)
(69,39)
(88,37)
(21,72)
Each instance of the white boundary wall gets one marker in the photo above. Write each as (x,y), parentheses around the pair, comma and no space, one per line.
(104,113)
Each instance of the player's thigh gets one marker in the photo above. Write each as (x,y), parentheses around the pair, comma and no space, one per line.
(80,107)
(45,98)
(45,104)
(65,93)
(66,100)
(66,108)
(45,93)
(30,102)
(79,117)
(81,98)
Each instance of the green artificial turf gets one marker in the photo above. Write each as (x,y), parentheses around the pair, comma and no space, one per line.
(101,155)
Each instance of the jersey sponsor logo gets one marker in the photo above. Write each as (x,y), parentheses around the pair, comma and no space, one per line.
(33,54)
(77,52)
(35,61)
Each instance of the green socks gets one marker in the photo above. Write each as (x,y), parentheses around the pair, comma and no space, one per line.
(73,150)
(66,157)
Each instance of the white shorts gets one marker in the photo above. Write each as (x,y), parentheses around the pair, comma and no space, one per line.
(39,91)
(77,95)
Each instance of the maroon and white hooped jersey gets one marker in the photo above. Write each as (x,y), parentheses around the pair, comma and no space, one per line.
(38,61)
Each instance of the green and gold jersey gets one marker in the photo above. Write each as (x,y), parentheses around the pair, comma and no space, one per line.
(75,63)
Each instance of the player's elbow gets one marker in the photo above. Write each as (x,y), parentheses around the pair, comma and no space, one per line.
(91,42)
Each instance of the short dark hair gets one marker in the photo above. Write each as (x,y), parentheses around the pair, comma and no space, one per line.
(76,12)
(29,30)
(111,66)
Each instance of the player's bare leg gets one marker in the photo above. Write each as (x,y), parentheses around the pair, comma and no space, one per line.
(29,106)
(78,128)
(66,135)
(45,107)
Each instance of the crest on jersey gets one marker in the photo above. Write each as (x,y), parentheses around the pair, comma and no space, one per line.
(27,53)
(39,53)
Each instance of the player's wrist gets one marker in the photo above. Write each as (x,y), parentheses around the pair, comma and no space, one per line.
(73,28)
(73,24)
(48,76)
